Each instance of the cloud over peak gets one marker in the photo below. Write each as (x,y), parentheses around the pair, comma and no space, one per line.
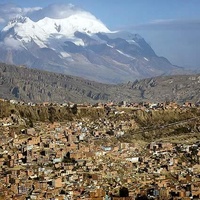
(10,11)
(55,11)
(58,11)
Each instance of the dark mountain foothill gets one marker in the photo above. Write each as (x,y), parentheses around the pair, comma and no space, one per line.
(31,85)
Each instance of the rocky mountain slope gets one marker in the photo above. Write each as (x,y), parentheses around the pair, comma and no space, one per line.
(80,45)
(27,85)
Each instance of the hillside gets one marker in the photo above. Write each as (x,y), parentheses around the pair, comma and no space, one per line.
(125,139)
(172,124)
(29,85)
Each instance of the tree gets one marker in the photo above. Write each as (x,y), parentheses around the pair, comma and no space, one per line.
(52,112)
(74,109)
(123,192)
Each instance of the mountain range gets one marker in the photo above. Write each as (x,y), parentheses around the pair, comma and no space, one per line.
(32,85)
(81,45)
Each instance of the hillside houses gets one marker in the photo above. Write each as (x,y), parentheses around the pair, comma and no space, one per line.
(85,159)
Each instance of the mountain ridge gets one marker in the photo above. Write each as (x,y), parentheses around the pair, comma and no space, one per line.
(81,45)
(31,85)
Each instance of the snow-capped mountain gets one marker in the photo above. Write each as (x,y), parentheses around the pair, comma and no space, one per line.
(43,31)
(80,45)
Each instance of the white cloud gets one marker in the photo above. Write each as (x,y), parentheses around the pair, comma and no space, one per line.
(10,11)
(11,43)
(2,20)
(30,10)
(170,24)
(57,11)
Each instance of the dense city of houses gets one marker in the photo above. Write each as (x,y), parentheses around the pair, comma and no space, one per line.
(141,105)
(83,159)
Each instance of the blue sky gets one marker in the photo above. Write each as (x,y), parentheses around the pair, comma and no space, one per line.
(171,27)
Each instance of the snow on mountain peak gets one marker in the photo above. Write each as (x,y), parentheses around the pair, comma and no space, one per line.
(18,19)
(58,25)
(69,11)
(68,26)
(15,22)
